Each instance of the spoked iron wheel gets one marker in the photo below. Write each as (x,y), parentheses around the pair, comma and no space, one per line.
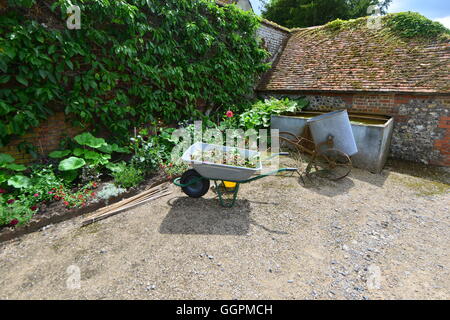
(292,143)
(333,164)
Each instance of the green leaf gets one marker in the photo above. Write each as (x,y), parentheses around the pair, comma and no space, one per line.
(92,155)
(87,139)
(4,78)
(69,64)
(59,154)
(116,167)
(70,176)
(14,167)
(109,148)
(19,182)
(6,158)
(4,176)
(71,163)
(78,152)
(22,80)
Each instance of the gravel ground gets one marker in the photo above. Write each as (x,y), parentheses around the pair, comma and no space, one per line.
(368,236)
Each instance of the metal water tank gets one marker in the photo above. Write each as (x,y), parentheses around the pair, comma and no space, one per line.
(336,124)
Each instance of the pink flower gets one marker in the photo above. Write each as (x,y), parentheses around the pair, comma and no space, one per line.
(14,222)
(10,201)
(36,195)
(230,114)
(50,192)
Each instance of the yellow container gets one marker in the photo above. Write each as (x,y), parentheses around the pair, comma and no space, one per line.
(229,184)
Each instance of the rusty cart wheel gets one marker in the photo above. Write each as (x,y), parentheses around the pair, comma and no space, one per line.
(295,152)
(333,164)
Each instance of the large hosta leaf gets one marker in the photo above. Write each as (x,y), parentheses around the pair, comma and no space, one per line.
(4,176)
(71,163)
(59,154)
(14,167)
(109,148)
(6,158)
(116,167)
(87,139)
(19,182)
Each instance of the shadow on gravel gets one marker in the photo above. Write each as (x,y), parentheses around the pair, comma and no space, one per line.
(327,187)
(206,216)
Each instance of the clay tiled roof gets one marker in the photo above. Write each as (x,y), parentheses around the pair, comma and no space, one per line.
(356,58)
(226,1)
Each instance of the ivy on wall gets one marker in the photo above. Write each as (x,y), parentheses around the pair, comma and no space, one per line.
(131,62)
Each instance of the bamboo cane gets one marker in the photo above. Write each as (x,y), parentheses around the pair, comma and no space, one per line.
(125,201)
(115,211)
(140,196)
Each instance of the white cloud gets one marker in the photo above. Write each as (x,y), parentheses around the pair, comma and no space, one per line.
(445,21)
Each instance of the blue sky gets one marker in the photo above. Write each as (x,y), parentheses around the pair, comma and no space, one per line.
(438,10)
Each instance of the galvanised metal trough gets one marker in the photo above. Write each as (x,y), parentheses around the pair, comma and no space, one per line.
(372,134)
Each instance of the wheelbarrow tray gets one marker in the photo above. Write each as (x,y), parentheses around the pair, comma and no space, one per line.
(215,171)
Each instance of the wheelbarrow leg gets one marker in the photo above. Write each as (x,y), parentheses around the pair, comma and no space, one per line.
(220,194)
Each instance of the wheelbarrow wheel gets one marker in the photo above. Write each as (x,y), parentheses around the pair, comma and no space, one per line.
(197,189)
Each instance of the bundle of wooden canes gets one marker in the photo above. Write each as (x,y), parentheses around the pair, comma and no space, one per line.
(146,196)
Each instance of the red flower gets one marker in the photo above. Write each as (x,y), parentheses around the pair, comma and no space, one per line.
(13,222)
(2,191)
(230,114)
(10,201)
(94,184)
(34,208)
(66,203)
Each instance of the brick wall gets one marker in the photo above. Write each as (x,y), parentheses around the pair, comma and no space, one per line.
(45,138)
(274,37)
(422,122)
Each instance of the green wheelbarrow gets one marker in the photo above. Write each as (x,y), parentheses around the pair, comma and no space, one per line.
(195,182)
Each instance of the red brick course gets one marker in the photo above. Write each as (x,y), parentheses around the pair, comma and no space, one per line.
(45,138)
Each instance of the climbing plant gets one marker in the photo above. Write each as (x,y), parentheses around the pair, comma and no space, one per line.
(131,62)
(413,24)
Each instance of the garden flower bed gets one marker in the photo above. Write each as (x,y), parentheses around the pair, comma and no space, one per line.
(57,211)
(86,175)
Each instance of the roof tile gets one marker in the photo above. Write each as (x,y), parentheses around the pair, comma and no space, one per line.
(359,59)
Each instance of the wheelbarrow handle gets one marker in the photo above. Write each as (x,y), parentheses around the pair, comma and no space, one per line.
(276,155)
